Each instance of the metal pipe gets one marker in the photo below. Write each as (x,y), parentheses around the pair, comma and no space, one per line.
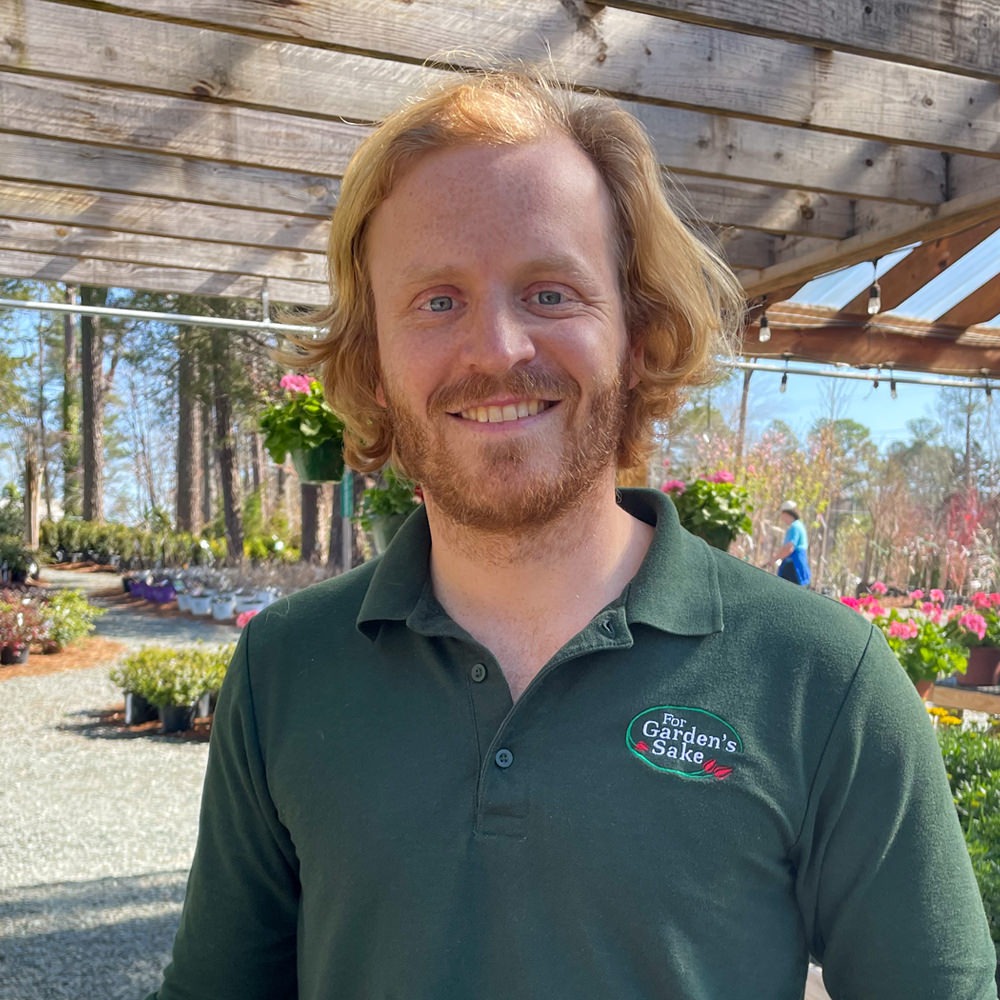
(884,373)
(178,318)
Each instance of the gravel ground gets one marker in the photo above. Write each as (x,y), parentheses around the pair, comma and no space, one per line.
(97,828)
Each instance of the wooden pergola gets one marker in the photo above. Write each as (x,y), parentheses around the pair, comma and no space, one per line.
(197,147)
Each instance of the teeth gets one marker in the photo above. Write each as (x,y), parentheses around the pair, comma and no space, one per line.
(503,414)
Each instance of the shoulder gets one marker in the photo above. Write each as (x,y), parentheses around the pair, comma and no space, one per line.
(798,624)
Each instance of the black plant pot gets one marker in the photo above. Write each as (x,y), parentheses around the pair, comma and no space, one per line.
(176,718)
(138,710)
(11,655)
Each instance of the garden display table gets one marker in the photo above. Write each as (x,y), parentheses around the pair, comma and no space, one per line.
(985,699)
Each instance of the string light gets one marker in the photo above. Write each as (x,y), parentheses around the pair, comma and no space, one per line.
(892,387)
(874,292)
(784,378)
(764,330)
(878,372)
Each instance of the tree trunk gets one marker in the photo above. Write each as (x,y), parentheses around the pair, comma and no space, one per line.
(207,466)
(190,470)
(225,450)
(92,373)
(32,480)
(741,433)
(70,417)
(309,494)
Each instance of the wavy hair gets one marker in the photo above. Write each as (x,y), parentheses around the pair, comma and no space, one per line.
(683,305)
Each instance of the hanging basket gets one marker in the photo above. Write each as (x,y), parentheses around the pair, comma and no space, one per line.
(322,464)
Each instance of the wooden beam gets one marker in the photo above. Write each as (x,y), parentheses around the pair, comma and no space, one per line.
(961,36)
(59,162)
(625,53)
(921,265)
(979,307)
(118,274)
(82,207)
(896,229)
(814,334)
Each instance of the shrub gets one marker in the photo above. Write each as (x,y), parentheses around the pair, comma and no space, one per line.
(67,615)
(972,759)
(166,676)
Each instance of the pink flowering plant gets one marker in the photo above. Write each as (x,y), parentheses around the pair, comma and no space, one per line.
(301,420)
(929,640)
(714,507)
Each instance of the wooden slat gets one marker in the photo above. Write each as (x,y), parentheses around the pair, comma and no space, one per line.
(689,142)
(180,126)
(54,161)
(133,248)
(960,36)
(92,271)
(160,217)
(652,58)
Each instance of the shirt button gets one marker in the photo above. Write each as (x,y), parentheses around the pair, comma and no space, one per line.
(504,758)
(478,673)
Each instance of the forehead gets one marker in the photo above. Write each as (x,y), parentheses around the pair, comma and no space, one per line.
(547,192)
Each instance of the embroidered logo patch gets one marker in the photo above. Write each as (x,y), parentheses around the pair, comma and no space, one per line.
(691,742)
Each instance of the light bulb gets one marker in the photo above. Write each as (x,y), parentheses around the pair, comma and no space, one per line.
(784,382)
(874,299)
(892,388)
(764,332)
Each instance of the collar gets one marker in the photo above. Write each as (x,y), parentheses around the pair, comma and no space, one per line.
(676,589)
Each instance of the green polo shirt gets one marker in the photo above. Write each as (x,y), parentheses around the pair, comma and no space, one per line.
(718,777)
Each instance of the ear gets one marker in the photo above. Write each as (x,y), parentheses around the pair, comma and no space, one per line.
(637,355)
(380,394)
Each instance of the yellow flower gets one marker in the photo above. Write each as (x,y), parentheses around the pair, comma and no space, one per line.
(951,720)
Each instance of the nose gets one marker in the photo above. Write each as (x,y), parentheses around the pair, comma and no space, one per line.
(498,337)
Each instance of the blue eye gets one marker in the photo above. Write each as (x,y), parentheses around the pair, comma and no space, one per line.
(550,298)
(440,303)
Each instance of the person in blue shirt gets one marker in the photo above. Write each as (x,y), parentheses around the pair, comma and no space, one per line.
(793,559)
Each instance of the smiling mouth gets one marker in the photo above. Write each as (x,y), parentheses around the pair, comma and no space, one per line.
(504,414)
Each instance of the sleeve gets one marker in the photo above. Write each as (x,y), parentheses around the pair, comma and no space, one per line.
(237,933)
(885,884)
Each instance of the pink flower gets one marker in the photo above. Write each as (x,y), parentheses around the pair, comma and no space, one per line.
(722,476)
(916,595)
(973,623)
(929,608)
(851,602)
(243,617)
(295,383)
(903,630)
(878,587)
(674,486)
(981,600)
(937,595)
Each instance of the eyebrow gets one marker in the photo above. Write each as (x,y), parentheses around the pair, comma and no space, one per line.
(419,275)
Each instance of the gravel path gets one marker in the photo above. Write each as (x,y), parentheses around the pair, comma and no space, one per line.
(97,828)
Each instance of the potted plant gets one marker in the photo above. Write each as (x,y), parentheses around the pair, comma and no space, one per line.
(301,423)
(928,640)
(386,505)
(20,626)
(66,615)
(984,650)
(174,681)
(714,507)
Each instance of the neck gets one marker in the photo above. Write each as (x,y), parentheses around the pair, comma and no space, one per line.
(524,596)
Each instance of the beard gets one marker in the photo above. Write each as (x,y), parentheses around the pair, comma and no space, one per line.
(508,486)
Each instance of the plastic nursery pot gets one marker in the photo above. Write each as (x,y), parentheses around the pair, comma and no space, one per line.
(322,464)
(176,718)
(983,669)
(12,655)
(137,709)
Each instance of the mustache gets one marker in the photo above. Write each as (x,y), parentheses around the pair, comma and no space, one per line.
(528,383)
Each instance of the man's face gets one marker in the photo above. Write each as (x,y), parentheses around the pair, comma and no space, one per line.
(504,356)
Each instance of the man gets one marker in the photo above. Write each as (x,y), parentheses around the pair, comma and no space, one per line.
(548,745)
(793,557)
